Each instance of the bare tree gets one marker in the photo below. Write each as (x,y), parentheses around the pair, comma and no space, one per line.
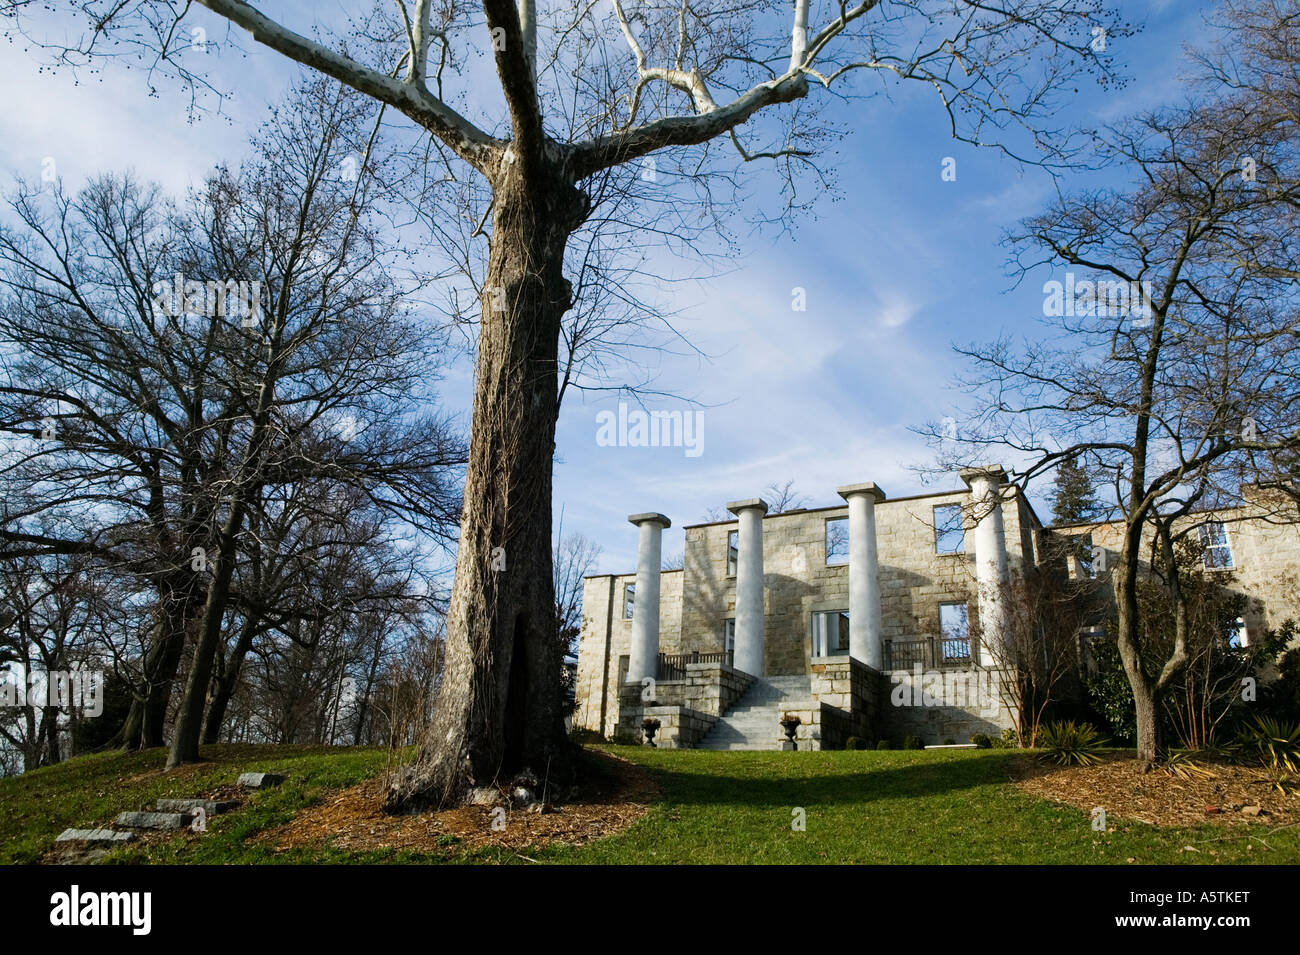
(1037,654)
(172,369)
(47,605)
(783,497)
(1173,369)
(575,558)
(583,94)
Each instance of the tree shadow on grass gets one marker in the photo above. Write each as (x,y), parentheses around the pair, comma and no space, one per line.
(816,784)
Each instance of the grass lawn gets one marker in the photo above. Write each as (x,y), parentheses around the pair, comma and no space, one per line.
(893,807)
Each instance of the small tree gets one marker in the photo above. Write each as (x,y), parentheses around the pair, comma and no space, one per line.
(1073,498)
(1037,654)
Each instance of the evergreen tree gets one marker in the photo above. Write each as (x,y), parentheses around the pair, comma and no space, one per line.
(1073,501)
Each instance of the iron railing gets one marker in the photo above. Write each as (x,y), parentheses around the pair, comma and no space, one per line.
(928,652)
(673,666)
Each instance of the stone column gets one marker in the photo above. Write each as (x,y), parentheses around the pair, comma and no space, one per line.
(866,642)
(991,573)
(643,656)
(749,585)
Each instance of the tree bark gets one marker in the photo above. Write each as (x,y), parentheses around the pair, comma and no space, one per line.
(185,739)
(1150,738)
(225,681)
(147,716)
(1150,744)
(499,711)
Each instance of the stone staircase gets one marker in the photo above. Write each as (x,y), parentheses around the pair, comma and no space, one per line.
(754,722)
(87,846)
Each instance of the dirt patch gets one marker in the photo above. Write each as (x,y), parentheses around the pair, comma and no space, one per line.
(614,794)
(1160,798)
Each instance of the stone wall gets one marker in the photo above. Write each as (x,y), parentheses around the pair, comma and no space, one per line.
(680,727)
(696,603)
(935,705)
(821,726)
(694,704)
(914,579)
(607,637)
(1264,536)
(853,690)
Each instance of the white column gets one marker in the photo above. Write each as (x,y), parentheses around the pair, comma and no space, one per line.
(865,629)
(991,573)
(749,585)
(643,656)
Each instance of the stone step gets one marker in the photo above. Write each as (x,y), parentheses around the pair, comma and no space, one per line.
(261,780)
(211,806)
(100,837)
(754,721)
(154,820)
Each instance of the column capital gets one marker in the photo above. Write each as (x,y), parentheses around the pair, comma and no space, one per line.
(737,506)
(867,487)
(993,473)
(639,519)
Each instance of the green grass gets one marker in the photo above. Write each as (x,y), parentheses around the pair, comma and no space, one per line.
(889,807)
(893,807)
(91,790)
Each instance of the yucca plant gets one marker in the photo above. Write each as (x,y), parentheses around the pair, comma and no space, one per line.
(1278,743)
(1185,766)
(1070,743)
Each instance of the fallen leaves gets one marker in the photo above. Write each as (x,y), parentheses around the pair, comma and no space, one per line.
(1236,794)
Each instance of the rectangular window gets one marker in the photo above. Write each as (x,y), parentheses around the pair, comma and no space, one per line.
(1091,558)
(954,626)
(629,600)
(1218,552)
(837,541)
(733,552)
(830,633)
(729,638)
(948,535)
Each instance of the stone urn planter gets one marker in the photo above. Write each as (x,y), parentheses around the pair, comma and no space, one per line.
(790,723)
(650,726)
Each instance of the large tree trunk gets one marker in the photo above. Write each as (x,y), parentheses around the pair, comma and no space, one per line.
(147,716)
(226,680)
(1150,739)
(1150,744)
(499,711)
(189,721)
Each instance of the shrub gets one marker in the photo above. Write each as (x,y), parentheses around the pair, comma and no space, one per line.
(1276,741)
(949,741)
(913,742)
(1070,743)
(982,740)
(582,735)
(856,742)
(1010,738)
(1281,698)
(884,744)
(1185,765)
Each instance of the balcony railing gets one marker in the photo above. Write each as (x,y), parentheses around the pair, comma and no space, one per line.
(929,652)
(673,666)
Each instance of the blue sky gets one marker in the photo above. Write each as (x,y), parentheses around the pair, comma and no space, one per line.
(894,270)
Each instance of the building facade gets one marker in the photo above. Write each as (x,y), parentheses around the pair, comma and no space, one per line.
(822,613)
(874,618)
